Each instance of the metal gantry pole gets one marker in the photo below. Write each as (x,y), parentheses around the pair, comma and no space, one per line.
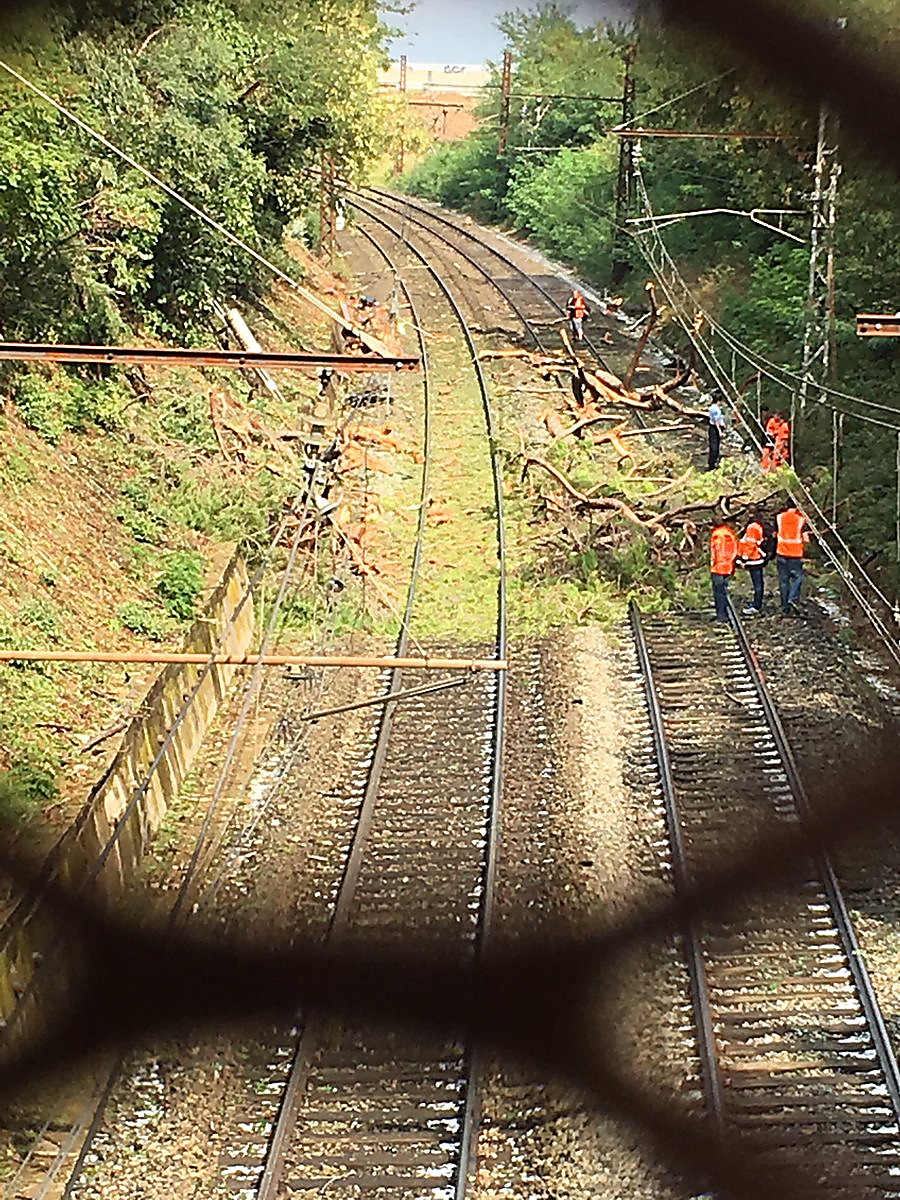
(401,148)
(625,178)
(505,89)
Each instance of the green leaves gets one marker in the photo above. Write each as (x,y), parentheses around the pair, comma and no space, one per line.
(232,104)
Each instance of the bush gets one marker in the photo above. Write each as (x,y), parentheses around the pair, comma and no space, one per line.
(181,582)
(462,175)
(43,616)
(564,205)
(25,789)
(40,405)
(53,404)
(143,620)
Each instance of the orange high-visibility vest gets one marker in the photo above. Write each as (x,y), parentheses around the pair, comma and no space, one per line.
(750,546)
(792,534)
(578,304)
(723,550)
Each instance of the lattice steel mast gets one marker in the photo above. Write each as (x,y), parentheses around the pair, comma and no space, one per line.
(819,357)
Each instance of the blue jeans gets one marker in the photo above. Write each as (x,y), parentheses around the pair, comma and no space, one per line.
(720,595)
(790,580)
(759,586)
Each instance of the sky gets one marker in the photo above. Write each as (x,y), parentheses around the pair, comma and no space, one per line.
(463,31)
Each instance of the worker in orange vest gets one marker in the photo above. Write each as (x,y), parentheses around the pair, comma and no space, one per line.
(771,430)
(723,552)
(756,548)
(781,454)
(576,311)
(792,537)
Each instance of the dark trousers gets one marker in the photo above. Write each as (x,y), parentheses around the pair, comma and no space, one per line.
(720,595)
(715,443)
(790,580)
(759,584)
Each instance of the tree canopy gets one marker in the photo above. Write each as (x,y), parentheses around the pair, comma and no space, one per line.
(231,103)
(557,181)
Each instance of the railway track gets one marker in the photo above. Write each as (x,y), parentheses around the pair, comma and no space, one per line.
(795,1059)
(536,301)
(362,1108)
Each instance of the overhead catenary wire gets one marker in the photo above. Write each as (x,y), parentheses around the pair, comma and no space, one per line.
(673,100)
(717,371)
(779,374)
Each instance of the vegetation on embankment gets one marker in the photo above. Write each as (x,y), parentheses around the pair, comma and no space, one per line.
(117,484)
(556,185)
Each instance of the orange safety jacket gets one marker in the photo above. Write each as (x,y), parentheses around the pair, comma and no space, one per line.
(578,305)
(723,550)
(792,535)
(750,548)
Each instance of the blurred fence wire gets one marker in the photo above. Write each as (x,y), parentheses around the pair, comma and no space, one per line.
(531,1005)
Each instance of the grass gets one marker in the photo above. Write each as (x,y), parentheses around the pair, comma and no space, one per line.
(457,596)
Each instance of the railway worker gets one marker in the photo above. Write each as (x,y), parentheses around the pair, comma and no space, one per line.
(723,552)
(792,537)
(754,549)
(770,433)
(716,429)
(576,311)
(781,454)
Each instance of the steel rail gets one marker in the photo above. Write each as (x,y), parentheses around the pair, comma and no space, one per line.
(238,359)
(467,233)
(269,1187)
(713,1084)
(472,1112)
(423,662)
(717,1097)
(340,919)
(855,960)
(526,322)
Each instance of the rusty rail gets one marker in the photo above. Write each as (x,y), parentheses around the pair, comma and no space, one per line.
(180,356)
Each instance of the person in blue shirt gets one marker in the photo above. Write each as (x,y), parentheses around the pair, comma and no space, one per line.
(716,429)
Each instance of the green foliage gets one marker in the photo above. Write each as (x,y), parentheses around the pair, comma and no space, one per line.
(564,205)
(233,104)
(52,404)
(560,194)
(43,616)
(145,621)
(769,309)
(181,582)
(234,511)
(26,788)
(462,175)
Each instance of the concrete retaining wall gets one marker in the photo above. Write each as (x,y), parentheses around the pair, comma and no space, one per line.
(29,931)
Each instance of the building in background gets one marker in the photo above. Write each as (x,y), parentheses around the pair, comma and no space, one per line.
(442,96)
